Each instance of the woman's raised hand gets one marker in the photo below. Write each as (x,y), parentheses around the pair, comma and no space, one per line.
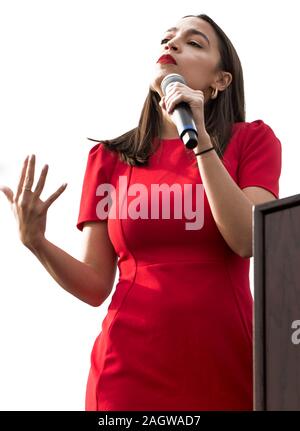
(29,210)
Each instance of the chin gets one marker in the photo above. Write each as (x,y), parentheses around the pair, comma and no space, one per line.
(156,80)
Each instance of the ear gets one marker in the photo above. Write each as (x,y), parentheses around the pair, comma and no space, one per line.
(225,79)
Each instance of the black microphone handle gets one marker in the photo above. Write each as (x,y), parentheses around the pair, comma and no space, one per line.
(190,139)
(186,127)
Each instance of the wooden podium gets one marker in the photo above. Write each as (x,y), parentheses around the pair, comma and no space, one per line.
(276,236)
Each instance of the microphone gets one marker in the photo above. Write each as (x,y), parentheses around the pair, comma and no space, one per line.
(182,114)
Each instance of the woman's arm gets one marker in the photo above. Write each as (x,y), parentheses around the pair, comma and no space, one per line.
(230,206)
(90,281)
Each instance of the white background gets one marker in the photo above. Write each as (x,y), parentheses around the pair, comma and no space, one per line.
(72,69)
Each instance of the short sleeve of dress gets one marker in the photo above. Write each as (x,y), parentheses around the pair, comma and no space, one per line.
(260,158)
(98,171)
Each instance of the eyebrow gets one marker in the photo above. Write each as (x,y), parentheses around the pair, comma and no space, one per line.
(192,31)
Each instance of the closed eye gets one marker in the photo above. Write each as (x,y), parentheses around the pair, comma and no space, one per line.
(193,43)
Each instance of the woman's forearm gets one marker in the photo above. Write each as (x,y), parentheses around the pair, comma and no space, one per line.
(76,277)
(230,207)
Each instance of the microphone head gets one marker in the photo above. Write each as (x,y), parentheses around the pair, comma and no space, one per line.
(172,77)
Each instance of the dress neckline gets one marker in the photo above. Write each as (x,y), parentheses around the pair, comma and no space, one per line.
(170,139)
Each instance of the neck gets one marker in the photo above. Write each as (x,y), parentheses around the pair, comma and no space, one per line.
(169,129)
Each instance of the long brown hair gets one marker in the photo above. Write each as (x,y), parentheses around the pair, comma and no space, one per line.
(136,145)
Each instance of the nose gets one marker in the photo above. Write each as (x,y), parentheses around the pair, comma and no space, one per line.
(171,45)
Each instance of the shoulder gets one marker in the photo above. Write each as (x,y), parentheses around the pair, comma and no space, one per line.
(252,128)
(256,134)
(101,150)
(101,156)
(100,163)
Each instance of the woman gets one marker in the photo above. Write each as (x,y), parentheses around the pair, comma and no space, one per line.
(178,331)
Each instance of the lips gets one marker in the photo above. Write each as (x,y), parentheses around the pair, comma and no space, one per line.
(166,59)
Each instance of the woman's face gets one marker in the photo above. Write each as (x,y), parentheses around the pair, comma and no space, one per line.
(196,55)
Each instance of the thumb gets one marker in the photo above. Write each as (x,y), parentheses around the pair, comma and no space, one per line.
(8,193)
(162,103)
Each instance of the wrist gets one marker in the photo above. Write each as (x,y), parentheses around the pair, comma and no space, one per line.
(204,143)
(34,245)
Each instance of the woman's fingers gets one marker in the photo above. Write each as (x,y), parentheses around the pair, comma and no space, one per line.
(22,177)
(29,178)
(54,196)
(8,193)
(26,182)
(162,103)
(41,182)
(29,210)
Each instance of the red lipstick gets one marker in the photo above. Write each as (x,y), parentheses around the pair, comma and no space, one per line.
(166,59)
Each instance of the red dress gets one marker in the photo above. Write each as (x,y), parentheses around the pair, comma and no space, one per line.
(178,331)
